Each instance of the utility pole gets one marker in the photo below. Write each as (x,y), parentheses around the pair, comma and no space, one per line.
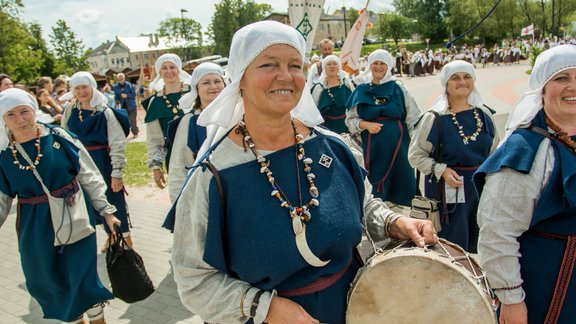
(345,28)
(185,58)
(553,32)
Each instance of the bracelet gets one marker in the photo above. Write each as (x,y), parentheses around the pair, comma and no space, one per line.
(255,302)
(433,169)
(389,222)
(509,288)
(242,301)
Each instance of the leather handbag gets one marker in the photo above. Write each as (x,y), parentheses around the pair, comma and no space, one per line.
(128,277)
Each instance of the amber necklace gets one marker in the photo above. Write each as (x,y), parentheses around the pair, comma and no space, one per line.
(168,103)
(474,136)
(79,107)
(15,152)
(561,135)
(330,94)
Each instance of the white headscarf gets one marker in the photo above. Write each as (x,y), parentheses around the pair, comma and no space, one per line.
(248,42)
(440,104)
(158,83)
(9,99)
(384,57)
(547,65)
(87,79)
(187,100)
(330,58)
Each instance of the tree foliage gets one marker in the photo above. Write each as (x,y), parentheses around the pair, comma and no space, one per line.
(69,50)
(393,25)
(184,35)
(231,15)
(428,16)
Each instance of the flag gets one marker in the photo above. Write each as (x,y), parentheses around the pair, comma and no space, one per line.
(350,52)
(528,30)
(305,16)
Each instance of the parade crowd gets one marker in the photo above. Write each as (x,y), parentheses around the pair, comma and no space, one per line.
(277,168)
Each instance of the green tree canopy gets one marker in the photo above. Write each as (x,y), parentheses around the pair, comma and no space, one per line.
(69,50)
(428,16)
(393,25)
(185,34)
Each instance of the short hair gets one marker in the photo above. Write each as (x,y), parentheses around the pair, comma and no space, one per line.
(59,81)
(40,91)
(4,76)
(44,80)
(121,74)
(325,41)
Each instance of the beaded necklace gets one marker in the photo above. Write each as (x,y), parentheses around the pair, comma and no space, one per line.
(302,212)
(15,152)
(561,135)
(479,124)
(168,103)
(330,94)
(79,107)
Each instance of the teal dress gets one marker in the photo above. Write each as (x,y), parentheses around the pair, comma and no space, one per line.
(63,280)
(332,106)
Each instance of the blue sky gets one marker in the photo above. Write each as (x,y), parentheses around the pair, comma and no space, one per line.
(95,21)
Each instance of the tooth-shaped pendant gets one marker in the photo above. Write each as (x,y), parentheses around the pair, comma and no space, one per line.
(302,244)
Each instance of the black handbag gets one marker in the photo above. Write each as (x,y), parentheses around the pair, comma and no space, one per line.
(126,271)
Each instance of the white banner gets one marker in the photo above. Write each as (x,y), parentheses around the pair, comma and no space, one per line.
(305,16)
(350,53)
(528,30)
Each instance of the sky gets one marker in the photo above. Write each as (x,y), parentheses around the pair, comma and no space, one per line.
(96,21)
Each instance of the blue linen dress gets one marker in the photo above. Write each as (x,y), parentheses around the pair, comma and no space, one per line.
(553,224)
(64,281)
(93,133)
(459,223)
(333,108)
(386,153)
(196,133)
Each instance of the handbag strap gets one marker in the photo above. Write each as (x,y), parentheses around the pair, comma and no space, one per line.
(33,167)
(547,134)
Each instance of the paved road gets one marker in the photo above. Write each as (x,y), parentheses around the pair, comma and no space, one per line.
(500,87)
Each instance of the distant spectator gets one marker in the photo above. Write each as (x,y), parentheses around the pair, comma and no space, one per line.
(45,103)
(125,96)
(5,82)
(107,91)
(45,82)
(60,83)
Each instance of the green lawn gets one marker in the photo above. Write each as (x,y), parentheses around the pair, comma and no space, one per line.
(136,172)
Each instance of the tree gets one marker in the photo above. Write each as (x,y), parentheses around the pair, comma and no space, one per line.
(47,59)
(231,15)
(69,50)
(429,15)
(185,35)
(392,25)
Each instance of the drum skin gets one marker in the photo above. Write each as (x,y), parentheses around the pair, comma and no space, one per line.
(410,285)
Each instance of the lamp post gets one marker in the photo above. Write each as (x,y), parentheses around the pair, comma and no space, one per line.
(182,11)
(345,28)
(553,31)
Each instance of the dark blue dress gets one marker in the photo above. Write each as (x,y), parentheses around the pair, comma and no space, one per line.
(93,133)
(548,247)
(386,153)
(196,133)
(64,281)
(332,106)
(459,223)
(254,240)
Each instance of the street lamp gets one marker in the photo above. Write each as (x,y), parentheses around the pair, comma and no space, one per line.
(345,29)
(182,11)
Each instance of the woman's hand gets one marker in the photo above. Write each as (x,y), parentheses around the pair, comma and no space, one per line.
(284,310)
(111,220)
(452,178)
(514,313)
(117,184)
(371,127)
(159,178)
(420,231)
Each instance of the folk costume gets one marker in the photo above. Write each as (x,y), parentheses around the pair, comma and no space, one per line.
(385,153)
(464,140)
(161,108)
(184,134)
(103,133)
(527,206)
(63,279)
(331,101)
(225,265)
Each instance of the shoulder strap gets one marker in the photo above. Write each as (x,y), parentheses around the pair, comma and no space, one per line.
(547,134)
(441,182)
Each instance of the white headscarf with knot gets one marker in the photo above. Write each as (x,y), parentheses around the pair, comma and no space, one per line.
(441,103)
(9,99)
(547,65)
(248,42)
(384,57)
(331,58)
(87,79)
(187,100)
(158,83)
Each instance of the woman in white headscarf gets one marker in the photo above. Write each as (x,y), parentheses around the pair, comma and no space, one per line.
(384,113)
(170,84)
(58,260)
(261,226)
(528,199)
(185,135)
(103,132)
(331,94)
(449,144)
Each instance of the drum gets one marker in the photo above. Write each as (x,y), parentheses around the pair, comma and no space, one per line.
(407,284)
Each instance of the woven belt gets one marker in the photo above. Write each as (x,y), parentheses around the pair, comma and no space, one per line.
(316,286)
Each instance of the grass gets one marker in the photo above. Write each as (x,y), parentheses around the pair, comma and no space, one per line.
(136,172)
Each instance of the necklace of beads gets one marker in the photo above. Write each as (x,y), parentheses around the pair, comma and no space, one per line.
(330,94)
(303,211)
(15,153)
(561,135)
(79,107)
(168,103)
(479,124)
